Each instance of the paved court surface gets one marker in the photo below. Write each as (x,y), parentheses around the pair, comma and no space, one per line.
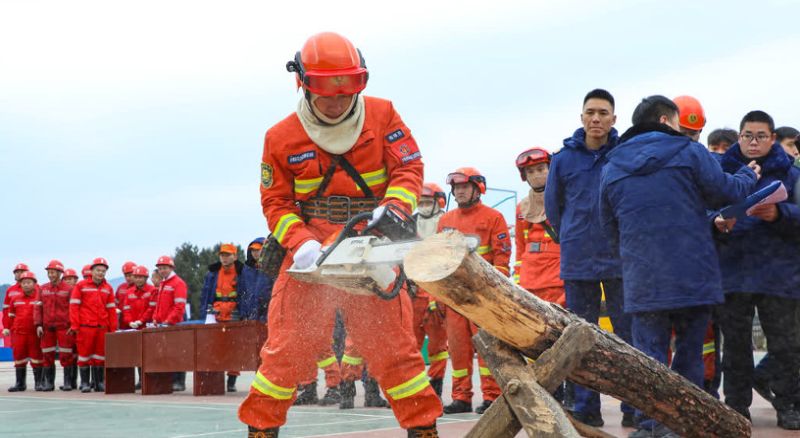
(180,415)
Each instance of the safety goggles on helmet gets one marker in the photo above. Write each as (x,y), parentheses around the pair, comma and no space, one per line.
(330,82)
(460,178)
(531,157)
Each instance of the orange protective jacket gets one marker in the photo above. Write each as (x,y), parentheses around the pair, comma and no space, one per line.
(486,223)
(292,169)
(538,258)
(92,305)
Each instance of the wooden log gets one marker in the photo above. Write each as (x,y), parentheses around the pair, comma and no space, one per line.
(498,421)
(442,265)
(536,410)
(557,362)
(587,431)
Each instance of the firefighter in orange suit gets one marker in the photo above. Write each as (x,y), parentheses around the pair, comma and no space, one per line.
(55,322)
(473,218)
(428,314)
(538,260)
(92,313)
(338,155)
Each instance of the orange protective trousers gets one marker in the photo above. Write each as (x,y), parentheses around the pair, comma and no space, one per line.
(380,329)
(459,338)
(431,322)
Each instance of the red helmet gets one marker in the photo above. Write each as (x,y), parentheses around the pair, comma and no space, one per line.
(433,190)
(27,274)
(20,267)
(86,271)
(127,267)
(141,271)
(467,174)
(329,64)
(70,273)
(99,261)
(691,114)
(530,157)
(165,260)
(55,265)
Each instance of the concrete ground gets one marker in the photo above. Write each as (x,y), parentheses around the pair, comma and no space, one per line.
(180,415)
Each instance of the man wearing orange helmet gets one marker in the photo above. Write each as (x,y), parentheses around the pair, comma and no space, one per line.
(338,155)
(691,116)
(25,327)
(428,314)
(92,314)
(55,321)
(472,218)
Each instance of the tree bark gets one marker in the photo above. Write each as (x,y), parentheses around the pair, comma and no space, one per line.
(498,421)
(442,265)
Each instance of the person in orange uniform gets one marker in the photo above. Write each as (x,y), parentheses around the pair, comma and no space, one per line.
(538,257)
(428,315)
(473,218)
(55,321)
(135,302)
(92,313)
(338,155)
(25,327)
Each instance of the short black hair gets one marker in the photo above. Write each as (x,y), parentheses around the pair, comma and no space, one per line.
(722,135)
(758,116)
(785,132)
(599,93)
(651,108)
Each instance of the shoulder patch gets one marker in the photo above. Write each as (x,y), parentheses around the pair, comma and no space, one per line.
(502,236)
(266,175)
(395,135)
(303,156)
(406,152)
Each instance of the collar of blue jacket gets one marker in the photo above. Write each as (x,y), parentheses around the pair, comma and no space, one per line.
(578,140)
(777,161)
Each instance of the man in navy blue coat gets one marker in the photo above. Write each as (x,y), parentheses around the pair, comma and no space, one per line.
(589,265)
(759,271)
(654,193)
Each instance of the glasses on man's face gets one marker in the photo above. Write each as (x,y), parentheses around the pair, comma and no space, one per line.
(748,137)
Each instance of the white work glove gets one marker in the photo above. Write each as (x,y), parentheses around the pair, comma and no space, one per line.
(307,255)
(135,324)
(383,275)
(376,214)
(6,332)
(39,331)
(210,318)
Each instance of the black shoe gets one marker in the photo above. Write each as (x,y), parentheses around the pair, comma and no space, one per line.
(423,432)
(629,419)
(458,407)
(86,385)
(348,393)
(307,395)
(372,395)
(49,379)
(231,383)
(483,407)
(67,386)
(743,410)
(761,385)
(179,381)
(20,385)
(252,432)
(332,397)
(74,376)
(789,419)
(38,379)
(98,379)
(594,420)
(436,384)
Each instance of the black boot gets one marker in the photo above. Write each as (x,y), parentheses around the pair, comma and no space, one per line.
(458,407)
(252,432)
(179,382)
(436,384)
(138,385)
(86,385)
(372,394)
(332,397)
(20,386)
(483,407)
(307,394)
(99,379)
(67,386)
(38,381)
(348,393)
(74,376)
(232,383)
(49,377)
(423,432)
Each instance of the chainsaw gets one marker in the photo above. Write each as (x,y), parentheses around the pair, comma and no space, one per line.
(373,252)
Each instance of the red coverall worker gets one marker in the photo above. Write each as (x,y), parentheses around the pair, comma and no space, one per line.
(489,226)
(168,306)
(25,326)
(299,209)
(19,269)
(135,303)
(55,322)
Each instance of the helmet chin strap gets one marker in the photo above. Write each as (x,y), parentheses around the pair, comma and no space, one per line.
(538,189)
(325,120)
(476,196)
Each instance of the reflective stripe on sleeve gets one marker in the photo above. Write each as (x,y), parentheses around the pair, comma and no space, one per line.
(307,185)
(409,387)
(326,362)
(264,386)
(74,301)
(374,178)
(179,300)
(284,223)
(110,305)
(484,371)
(444,355)
(350,360)
(403,195)
(483,249)
(98,357)
(708,348)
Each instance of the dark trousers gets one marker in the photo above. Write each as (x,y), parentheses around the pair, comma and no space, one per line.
(583,299)
(777,317)
(651,335)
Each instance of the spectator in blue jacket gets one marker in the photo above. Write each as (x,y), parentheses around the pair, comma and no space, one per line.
(654,193)
(255,299)
(757,257)
(589,265)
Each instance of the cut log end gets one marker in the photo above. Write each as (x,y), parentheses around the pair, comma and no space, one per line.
(436,257)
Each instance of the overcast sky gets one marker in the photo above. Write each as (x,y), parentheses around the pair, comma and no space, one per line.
(127,128)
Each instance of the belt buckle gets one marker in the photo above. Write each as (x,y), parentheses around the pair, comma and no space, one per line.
(343,201)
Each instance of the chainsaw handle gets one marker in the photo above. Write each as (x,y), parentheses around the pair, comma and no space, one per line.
(347,231)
